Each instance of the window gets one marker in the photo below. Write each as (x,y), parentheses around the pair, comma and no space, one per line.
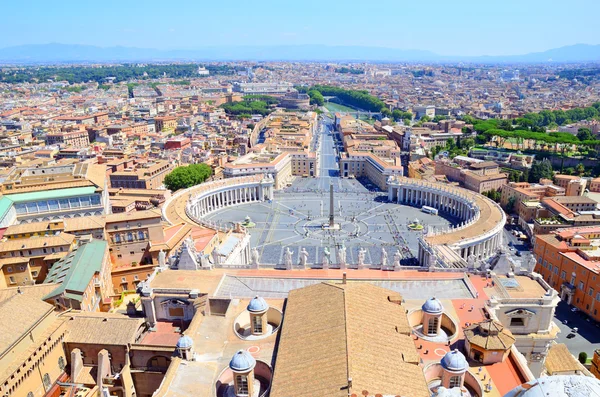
(47,381)
(432,326)
(591,292)
(61,363)
(30,394)
(136,278)
(34,273)
(581,285)
(123,280)
(257,325)
(454,381)
(517,322)
(117,238)
(130,237)
(563,274)
(242,385)
(10,269)
(140,235)
(12,280)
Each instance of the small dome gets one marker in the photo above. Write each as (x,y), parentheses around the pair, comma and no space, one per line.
(185,342)
(257,305)
(242,361)
(432,306)
(454,361)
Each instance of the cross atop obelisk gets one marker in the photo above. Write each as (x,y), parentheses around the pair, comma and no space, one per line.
(331,220)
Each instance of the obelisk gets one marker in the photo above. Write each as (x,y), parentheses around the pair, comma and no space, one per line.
(331,220)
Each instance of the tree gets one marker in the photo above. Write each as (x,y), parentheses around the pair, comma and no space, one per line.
(584,134)
(316,98)
(580,169)
(582,357)
(467,143)
(510,205)
(540,169)
(187,176)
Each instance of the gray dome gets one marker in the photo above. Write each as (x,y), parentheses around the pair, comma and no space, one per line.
(433,306)
(558,386)
(242,361)
(257,305)
(454,361)
(185,342)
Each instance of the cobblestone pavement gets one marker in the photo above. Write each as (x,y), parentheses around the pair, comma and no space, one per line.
(296,215)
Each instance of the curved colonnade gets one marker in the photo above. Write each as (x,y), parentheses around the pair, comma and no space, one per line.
(215,195)
(477,237)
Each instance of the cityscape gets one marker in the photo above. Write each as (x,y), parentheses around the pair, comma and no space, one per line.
(284,216)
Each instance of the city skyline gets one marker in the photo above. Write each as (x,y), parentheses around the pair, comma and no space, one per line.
(446,30)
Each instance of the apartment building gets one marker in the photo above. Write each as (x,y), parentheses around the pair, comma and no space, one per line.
(364,164)
(75,139)
(165,123)
(26,261)
(136,238)
(524,191)
(142,175)
(569,260)
(476,175)
(573,185)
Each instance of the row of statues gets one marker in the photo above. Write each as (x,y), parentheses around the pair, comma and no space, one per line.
(341,257)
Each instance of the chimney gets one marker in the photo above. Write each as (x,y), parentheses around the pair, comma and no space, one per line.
(344,282)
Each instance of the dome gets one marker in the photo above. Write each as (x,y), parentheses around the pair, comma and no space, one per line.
(454,361)
(257,305)
(185,342)
(432,306)
(558,386)
(242,361)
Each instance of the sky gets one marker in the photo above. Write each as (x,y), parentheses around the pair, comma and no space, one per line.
(459,27)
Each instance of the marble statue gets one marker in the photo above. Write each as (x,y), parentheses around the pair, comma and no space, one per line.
(384,257)
(303,257)
(287,258)
(326,257)
(397,257)
(255,257)
(162,258)
(531,264)
(216,258)
(361,256)
(341,254)
(471,261)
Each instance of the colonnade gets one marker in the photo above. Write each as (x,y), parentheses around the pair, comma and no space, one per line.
(457,203)
(224,195)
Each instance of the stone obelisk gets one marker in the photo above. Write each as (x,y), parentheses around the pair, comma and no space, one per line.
(331,220)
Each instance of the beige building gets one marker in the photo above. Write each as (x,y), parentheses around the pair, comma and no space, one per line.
(26,261)
(365,164)
(32,358)
(142,176)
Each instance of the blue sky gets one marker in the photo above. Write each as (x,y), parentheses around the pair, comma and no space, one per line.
(459,27)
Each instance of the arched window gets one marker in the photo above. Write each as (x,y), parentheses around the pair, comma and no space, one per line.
(432,326)
(454,382)
(30,394)
(129,236)
(257,324)
(242,385)
(141,235)
(61,363)
(47,381)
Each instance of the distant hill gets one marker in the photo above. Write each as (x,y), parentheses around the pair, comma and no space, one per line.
(65,53)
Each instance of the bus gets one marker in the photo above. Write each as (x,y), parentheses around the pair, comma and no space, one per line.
(429,210)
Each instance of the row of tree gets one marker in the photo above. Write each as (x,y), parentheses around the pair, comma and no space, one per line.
(345,70)
(252,104)
(84,74)
(187,176)
(360,99)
